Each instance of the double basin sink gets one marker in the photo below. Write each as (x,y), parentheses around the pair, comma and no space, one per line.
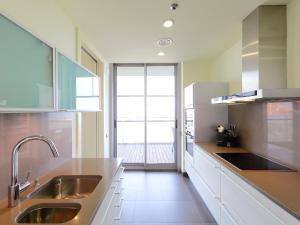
(61,187)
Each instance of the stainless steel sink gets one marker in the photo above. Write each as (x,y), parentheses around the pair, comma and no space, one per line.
(67,187)
(49,213)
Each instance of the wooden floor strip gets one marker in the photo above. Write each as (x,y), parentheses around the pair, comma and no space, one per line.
(156,153)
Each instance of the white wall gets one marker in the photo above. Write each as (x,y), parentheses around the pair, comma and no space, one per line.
(195,70)
(227,67)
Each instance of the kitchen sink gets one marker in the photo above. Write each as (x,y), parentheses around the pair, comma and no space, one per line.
(67,187)
(49,213)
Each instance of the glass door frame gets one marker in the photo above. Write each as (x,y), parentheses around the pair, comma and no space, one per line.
(145,165)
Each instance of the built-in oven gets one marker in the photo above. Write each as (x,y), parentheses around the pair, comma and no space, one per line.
(189,130)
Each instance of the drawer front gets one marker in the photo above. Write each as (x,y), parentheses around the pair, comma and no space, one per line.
(103,210)
(209,170)
(188,166)
(210,199)
(119,174)
(109,212)
(244,206)
(188,157)
(113,215)
(226,217)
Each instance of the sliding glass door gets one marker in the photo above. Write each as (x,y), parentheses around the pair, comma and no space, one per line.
(145,117)
(130,114)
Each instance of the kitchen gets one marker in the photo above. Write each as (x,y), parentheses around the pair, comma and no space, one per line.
(71,104)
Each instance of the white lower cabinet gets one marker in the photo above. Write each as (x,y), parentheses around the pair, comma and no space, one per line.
(209,170)
(231,200)
(226,218)
(109,213)
(211,200)
(248,206)
(208,196)
(242,204)
(188,163)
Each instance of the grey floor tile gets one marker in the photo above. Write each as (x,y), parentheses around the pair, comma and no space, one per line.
(170,212)
(162,198)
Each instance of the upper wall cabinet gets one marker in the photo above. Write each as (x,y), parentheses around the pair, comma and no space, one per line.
(78,89)
(26,70)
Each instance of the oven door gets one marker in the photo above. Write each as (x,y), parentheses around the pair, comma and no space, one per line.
(189,120)
(189,143)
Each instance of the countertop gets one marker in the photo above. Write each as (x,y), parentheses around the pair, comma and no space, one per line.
(106,168)
(281,187)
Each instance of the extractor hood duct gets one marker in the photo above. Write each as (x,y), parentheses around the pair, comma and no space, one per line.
(264,58)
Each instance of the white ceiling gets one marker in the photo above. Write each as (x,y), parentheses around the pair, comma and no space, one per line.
(127,30)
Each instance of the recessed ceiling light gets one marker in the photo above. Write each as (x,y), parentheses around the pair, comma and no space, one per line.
(168,23)
(161,54)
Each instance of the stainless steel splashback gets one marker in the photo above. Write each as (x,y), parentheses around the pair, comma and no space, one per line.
(264,49)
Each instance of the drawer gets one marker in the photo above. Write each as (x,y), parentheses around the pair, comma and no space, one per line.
(243,206)
(226,217)
(113,215)
(209,170)
(103,209)
(119,185)
(119,173)
(188,166)
(188,157)
(110,210)
(210,199)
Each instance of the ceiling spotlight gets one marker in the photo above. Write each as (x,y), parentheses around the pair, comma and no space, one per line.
(161,54)
(174,6)
(168,23)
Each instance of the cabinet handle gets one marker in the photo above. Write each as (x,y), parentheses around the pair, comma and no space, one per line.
(217,198)
(119,191)
(120,203)
(120,213)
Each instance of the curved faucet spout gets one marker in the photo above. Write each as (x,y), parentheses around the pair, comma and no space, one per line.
(14,188)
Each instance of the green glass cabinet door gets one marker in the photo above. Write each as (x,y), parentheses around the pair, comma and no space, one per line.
(78,89)
(26,70)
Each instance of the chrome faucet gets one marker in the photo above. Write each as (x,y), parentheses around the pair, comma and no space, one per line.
(16,187)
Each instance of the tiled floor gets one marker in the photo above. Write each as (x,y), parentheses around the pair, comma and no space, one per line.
(162,198)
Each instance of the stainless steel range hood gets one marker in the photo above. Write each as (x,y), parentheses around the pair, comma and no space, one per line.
(264,62)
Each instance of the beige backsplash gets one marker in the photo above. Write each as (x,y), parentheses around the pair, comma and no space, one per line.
(34,156)
(270,129)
